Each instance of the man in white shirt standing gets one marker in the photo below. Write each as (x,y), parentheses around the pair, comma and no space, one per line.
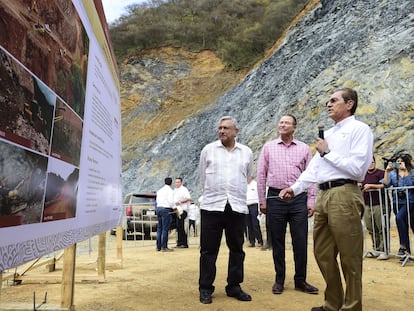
(253,225)
(341,161)
(193,214)
(182,199)
(165,206)
(224,167)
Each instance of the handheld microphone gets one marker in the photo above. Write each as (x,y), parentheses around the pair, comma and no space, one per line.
(320,133)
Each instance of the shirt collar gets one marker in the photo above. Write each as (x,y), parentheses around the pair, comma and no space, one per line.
(219,144)
(344,122)
(280,141)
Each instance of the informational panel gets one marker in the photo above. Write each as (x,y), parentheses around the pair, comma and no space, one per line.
(60,127)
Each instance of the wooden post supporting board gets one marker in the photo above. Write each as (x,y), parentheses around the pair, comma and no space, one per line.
(101,256)
(119,232)
(68,277)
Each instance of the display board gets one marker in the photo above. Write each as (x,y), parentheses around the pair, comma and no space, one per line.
(60,127)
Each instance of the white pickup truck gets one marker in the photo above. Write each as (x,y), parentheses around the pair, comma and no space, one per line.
(139,219)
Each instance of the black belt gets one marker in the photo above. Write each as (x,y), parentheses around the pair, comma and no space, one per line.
(336,183)
(273,191)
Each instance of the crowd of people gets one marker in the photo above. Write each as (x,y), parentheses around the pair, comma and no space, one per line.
(339,186)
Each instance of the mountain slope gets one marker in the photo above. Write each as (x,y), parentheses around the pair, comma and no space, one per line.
(366,45)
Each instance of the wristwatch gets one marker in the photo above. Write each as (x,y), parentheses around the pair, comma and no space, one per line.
(325,152)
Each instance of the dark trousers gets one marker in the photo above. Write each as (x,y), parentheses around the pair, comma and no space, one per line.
(181,235)
(164,220)
(192,223)
(212,226)
(253,226)
(295,213)
(268,235)
(401,218)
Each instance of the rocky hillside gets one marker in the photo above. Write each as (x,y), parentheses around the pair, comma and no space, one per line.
(171,104)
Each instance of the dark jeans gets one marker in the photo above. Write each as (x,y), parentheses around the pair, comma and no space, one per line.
(181,235)
(295,213)
(212,226)
(164,221)
(254,232)
(401,218)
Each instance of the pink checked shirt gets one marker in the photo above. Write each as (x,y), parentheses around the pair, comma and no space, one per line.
(280,165)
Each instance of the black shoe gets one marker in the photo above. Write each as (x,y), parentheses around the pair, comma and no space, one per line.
(321,308)
(277,288)
(182,246)
(306,288)
(205,297)
(241,295)
(158,249)
(402,252)
(266,247)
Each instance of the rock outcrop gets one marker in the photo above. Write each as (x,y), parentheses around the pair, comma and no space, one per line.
(364,44)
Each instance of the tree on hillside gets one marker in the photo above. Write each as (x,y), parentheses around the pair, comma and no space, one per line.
(239,31)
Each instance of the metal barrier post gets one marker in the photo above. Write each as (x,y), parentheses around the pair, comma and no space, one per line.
(378,235)
(396,193)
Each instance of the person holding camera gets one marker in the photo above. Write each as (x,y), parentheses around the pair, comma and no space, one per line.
(400,173)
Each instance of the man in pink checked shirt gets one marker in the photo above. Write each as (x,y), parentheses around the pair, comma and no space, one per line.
(280,163)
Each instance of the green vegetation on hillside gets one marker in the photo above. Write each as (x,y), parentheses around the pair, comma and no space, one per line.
(239,31)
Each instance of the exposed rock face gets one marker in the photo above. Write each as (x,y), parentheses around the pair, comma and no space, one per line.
(367,45)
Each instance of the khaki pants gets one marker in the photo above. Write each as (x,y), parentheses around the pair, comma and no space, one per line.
(372,219)
(338,229)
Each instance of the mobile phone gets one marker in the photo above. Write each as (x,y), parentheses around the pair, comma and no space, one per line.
(396,165)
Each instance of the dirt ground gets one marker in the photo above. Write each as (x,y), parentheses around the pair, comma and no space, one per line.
(150,280)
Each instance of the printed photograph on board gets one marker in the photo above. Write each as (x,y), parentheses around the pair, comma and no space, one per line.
(22,185)
(67,134)
(49,39)
(26,106)
(61,191)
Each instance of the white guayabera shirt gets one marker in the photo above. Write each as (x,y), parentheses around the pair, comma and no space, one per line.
(180,194)
(223,176)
